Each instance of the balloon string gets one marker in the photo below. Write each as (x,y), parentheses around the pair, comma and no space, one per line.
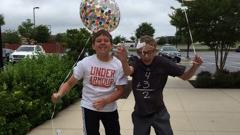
(52,118)
(76,60)
(54,107)
(189,29)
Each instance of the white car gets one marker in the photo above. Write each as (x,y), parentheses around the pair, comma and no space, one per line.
(25,51)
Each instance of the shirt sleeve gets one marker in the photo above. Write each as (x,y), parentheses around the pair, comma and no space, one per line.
(78,70)
(132,60)
(173,69)
(121,79)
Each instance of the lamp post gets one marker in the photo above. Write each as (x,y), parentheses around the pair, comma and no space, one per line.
(34,8)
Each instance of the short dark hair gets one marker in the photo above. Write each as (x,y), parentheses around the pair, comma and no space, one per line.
(99,33)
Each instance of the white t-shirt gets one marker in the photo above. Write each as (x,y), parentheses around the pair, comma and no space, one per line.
(99,80)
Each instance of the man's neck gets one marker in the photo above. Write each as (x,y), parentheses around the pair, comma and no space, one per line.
(104,58)
(149,62)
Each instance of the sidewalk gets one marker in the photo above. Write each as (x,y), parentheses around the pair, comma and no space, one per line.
(193,112)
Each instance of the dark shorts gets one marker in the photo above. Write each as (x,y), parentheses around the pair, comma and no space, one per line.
(160,121)
(91,121)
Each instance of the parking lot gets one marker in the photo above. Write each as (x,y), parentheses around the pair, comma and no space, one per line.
(232,62)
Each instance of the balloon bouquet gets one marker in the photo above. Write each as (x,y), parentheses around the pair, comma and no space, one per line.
(95,15)
(100,14)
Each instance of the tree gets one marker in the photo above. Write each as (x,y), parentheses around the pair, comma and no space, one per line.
(75,40)
(60,37)
(215,23)
(41,34)
(133,39)
(119,39)
(166,40)
(11,37)
(161,40)
(145,29)
(26,30)
(1,23)
(182,34)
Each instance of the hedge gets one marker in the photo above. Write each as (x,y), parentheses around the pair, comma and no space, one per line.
(25,92)
(224,79)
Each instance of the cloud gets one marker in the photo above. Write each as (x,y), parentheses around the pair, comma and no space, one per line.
(64,14)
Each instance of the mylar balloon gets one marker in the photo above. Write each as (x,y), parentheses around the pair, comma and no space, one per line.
(100,14)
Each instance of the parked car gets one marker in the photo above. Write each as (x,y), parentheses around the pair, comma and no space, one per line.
(238,49)
(6,53)
(25,51)
(170,52)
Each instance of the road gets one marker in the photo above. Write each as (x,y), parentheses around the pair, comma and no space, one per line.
(232,62)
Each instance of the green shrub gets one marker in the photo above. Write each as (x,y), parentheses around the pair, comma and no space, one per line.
(12,120)
(203,80)
(25,92)
(223,79)
(236,79)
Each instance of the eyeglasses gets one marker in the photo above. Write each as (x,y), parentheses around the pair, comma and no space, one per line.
(149,52)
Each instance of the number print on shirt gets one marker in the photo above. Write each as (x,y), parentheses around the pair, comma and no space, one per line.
(147,75)
(144,86)
(138,85)
(146,94)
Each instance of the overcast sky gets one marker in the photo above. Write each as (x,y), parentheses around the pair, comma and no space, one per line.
(61,15)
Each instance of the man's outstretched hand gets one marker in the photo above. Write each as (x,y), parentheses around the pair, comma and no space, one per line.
(197,61)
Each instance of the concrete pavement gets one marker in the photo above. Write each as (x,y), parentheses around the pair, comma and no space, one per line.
(193,112)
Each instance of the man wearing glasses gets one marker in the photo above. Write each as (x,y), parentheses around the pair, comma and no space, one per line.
(149,75)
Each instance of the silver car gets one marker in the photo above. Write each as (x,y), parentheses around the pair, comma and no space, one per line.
(170,52)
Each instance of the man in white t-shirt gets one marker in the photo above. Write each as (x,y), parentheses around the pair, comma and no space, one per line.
(103,81)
